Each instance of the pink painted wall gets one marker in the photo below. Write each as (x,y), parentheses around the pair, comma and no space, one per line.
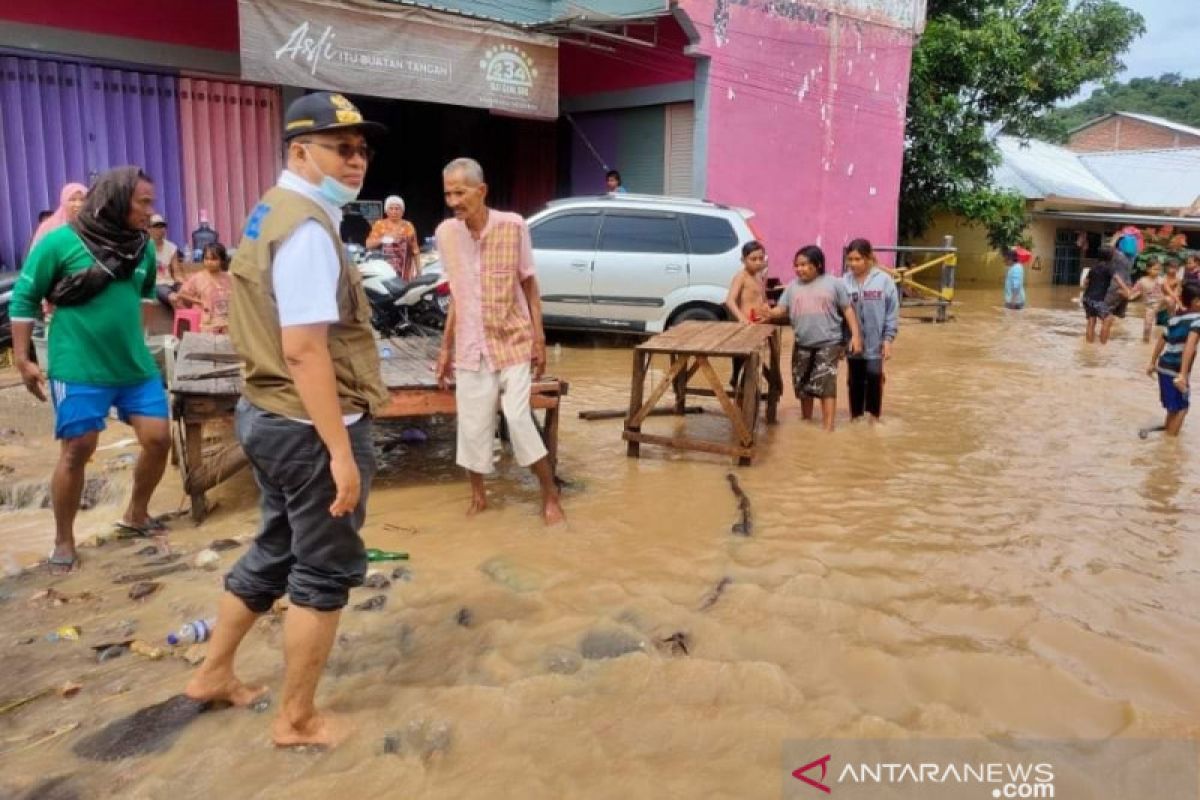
(583,70)
(806,122)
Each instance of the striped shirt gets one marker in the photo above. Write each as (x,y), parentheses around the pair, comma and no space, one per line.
(1176,335)
(492,324)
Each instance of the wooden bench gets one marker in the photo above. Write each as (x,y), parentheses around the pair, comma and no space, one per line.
(689,347)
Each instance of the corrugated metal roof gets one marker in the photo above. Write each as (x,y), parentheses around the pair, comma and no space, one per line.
(1121,218)
(1165,123)
(527,13)
(1038,169)
(1149,178)
(1160,121)
(520,13)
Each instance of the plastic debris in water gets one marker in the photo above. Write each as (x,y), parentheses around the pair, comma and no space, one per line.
(375,554)
(67,633)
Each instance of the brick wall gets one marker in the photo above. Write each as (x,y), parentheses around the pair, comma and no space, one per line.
(1124,133)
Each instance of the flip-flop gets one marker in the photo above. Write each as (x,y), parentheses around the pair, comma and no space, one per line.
(72,563)
(151,527)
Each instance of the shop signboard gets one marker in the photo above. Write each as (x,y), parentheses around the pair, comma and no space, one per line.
(374,48)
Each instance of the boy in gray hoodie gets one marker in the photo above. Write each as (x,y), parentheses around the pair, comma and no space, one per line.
(877,303)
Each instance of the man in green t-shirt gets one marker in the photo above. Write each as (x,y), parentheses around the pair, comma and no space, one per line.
(96,271)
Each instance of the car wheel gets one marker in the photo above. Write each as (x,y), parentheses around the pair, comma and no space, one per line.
(698,313)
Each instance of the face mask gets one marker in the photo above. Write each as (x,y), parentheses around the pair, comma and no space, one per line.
(334,191)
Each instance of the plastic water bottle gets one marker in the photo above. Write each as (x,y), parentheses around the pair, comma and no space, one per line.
(198,631)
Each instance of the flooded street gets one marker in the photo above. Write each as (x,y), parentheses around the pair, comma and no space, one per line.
(1003,557)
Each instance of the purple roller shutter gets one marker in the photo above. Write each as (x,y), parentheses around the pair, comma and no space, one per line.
(64,121)
(601,130)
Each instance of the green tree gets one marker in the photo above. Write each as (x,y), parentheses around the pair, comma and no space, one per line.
(986,64)
(1169,96)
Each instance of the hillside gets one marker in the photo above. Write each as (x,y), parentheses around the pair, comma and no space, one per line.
(1169,96)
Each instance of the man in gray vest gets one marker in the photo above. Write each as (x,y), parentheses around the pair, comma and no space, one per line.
(300,322)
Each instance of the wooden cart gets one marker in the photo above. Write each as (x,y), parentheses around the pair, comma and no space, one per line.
(207,383)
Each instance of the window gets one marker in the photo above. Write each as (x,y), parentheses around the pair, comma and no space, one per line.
(566,232)
(641,233)
(709,235)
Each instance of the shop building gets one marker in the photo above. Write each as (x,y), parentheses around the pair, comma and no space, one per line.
(796,111)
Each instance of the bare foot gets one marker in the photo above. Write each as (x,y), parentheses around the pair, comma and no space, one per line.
(552,512)
(214,688)
(321,731)
(478,504)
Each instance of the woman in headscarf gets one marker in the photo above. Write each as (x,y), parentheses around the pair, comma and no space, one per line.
(398,238)
(97,270)
(70,200)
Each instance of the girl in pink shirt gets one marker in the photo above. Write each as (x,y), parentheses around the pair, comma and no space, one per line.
(210,290)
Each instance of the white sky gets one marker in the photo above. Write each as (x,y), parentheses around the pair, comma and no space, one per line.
(1171,42)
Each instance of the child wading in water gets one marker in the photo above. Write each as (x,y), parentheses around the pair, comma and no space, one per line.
(1173,357)
(876,303)
(747,298)
(210,290)
(1014,280)
(1150,288)
(1171,286)
(817,305)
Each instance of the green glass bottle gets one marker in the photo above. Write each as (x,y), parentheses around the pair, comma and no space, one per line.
(375,554)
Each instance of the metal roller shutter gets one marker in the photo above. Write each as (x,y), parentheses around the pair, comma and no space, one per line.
(641,145)
(681,119)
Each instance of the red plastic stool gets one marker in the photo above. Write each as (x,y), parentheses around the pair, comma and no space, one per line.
(190,317)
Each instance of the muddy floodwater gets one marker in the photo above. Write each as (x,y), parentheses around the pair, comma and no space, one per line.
(1003,557)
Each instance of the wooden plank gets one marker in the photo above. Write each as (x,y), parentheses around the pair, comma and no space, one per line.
(550,437)
(672,336)
(731,410)
(680,385)
(640,415)
(709,337)
(682,443)
(193,456)
(701,338)
(593,415)
(750,399)
(411,402)
(637,386)
(774,377)
(750,339)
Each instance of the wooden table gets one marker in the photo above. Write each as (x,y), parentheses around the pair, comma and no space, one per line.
(690,346)
(208,382)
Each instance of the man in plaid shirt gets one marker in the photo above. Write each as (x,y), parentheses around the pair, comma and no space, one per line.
(494,340)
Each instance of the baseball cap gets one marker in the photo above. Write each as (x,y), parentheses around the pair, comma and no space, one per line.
(326,111)
(157,219)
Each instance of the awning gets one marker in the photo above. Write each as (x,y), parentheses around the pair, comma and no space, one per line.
(1119,218)
(365,47)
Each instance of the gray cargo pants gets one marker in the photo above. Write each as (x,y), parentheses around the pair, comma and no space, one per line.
(301,549)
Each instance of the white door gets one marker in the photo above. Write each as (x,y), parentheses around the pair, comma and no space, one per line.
(563,250)
(640,259)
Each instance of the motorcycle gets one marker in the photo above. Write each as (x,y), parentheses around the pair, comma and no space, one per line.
(398,307)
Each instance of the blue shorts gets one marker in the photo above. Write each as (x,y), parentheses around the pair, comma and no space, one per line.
(1173,400)
(81,408)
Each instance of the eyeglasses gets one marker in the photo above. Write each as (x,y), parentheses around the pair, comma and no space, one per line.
(347,151)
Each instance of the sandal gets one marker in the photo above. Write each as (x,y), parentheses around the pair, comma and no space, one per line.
(153,526)
(71,564)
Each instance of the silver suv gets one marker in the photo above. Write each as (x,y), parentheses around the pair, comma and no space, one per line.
(635,263)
